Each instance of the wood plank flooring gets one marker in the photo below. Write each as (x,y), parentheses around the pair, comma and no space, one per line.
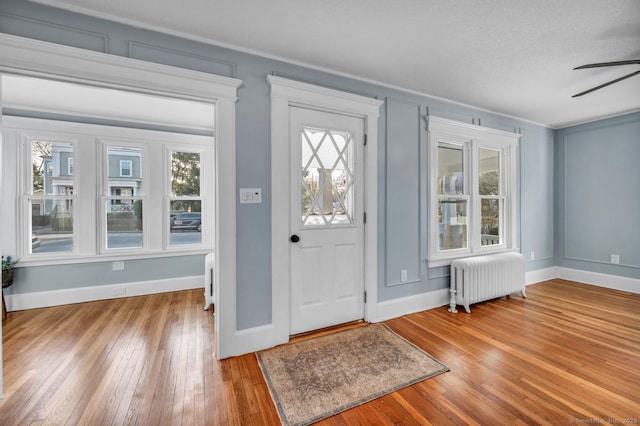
(569,352)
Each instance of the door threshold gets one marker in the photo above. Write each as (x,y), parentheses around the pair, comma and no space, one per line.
(326,330)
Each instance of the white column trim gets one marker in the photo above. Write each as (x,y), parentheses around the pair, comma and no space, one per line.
(23,56)
(1,187)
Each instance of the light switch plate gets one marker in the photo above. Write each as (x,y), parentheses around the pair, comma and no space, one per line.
(250,195)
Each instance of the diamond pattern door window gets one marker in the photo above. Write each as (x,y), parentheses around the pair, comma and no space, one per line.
(327,177)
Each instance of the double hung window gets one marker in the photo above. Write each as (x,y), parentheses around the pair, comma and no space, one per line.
(184,195)
(472,190)
(50,194)
(123,200)
(90,190)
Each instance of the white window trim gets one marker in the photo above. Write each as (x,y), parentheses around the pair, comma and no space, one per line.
(23,56)
(473,138)
(70,166)
(87,140)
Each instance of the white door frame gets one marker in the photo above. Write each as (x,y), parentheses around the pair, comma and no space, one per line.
(24,56)
(286,93)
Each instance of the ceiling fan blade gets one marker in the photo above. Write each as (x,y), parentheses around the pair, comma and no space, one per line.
(607,84)
(609,64)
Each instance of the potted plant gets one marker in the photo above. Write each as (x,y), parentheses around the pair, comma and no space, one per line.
(7,271)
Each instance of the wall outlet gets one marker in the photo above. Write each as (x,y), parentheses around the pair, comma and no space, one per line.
(615,259)
(118,265)
(403,275)
(532,256)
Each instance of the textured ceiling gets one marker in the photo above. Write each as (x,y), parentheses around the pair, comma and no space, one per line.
(514,57)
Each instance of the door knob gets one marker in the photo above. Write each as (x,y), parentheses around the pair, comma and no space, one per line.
(294,238)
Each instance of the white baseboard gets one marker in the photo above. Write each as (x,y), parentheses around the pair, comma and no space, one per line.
(43,299)
(410,304)
(539,275)
(614,282)
(435,299)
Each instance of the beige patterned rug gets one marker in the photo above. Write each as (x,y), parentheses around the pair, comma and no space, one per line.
(317,378)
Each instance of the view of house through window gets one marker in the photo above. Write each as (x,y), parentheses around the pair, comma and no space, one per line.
(51,199)
(123,201)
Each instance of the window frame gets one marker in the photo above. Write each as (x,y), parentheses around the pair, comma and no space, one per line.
(24,220)
(104,193)
(89,217)
(444,132)
(205,178)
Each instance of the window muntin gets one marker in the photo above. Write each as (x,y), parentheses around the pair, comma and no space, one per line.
(184,198)
(473,207)
(327,177)
(50,199)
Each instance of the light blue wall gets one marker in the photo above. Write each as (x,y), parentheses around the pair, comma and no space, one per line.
(402,167)
(44,278)
(598,196)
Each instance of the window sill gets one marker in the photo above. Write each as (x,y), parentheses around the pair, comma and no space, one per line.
(49,261)
(442,261)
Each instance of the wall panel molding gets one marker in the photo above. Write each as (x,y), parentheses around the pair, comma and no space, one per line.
(150,53)
(598,169)
(63,34)
(403,187)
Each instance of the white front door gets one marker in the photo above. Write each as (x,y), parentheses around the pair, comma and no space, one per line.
(327,223)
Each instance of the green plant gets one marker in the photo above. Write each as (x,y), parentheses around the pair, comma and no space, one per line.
(7,264)
(7,271)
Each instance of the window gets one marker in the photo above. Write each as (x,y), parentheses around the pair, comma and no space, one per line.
(472,190)
(92,190)
(125,167)
(49,195)
(184,198)
(122,201)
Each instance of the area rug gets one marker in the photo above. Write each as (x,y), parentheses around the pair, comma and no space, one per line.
(319,377)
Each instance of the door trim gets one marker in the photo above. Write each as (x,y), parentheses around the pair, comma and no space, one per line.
(287,93)
(23,56)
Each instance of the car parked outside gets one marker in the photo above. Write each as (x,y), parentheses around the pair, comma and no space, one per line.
(187,221)
(35,242)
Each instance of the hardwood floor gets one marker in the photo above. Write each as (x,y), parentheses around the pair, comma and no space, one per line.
(568,353)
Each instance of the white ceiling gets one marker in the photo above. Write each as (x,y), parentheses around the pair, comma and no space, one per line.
(514,57)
